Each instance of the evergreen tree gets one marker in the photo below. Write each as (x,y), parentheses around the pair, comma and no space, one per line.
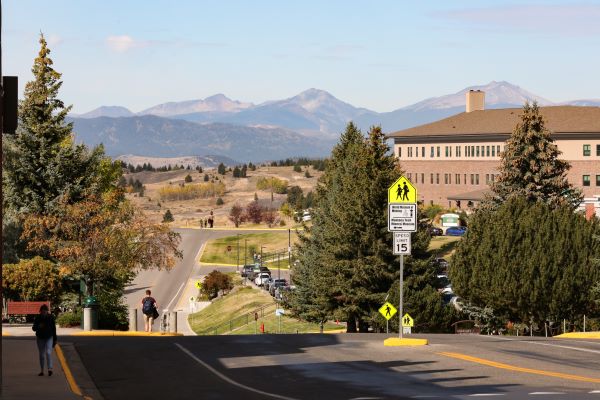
(188,178)
(530,166)
(244,171)
(206,178)
(221,169)
(41,161)
(237,172)
(168,216)
(541,264)
(346,265)
(297,168)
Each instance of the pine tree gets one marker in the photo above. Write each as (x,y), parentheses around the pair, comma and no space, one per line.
(221,169)
(237,172)
(530,166)
(42,163)
(188,178)
(168,216)
(244,171)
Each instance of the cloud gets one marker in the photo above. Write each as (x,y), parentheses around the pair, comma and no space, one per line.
(121,44)
(573,20)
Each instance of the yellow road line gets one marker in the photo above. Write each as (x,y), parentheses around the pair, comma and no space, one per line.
(63,362)
(519,369)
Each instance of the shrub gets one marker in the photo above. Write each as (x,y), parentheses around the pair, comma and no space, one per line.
(220,201)
(215,282)
(188,178)
(307,174)
(254,212)
(297,168)
(277,185)
(189,192)
(168,217)
(69,319)
(235,215)
(206,178)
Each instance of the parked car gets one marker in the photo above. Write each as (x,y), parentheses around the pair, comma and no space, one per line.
(246,271)
(306,216)
(456,231)
(262,278)
(276,284)
(441,264)
(435,231)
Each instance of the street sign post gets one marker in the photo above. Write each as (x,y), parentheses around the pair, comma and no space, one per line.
(402,244)
(402,219)
(388,311)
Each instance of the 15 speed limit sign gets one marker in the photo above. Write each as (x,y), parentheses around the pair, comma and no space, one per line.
(402,243)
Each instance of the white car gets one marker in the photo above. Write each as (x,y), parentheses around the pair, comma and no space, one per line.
(306,216)
(262,278)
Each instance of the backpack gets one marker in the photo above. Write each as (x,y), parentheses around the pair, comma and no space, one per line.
(148,305)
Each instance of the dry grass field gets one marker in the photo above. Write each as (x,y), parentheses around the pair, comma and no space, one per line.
(237,190)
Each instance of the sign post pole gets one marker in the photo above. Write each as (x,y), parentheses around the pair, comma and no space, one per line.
(401,303)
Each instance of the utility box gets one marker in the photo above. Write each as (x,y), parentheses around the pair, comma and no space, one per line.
(90,314)
(450,219)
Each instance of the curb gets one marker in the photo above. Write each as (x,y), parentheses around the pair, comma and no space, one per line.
(405,342)
(579,335)
(126,333)
(68,374)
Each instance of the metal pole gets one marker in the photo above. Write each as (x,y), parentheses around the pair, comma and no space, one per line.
(245,252)
(401,302)
(279,268)
(237,267)
(387,326)
(290,254)
(584,323)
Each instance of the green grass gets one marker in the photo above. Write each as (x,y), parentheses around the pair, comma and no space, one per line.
(234,307)
(216,250)
(443,246)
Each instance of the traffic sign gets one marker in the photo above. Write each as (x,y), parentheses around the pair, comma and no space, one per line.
(402,217)
(279,312)
(408,321)
(402,191)
(387,310)
(402,243)
(198,285)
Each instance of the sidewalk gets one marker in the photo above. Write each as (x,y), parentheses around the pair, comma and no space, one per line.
(20,367)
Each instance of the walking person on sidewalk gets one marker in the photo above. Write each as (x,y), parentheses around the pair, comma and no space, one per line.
(45,334)
(149,310)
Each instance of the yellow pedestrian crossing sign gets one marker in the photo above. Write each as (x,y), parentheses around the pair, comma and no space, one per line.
(408,321)
(198,284)
(402,191)
(387,310)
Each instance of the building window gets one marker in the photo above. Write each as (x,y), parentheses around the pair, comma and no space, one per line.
(422,178)
(439,153)
(477,179)
(432,152)
(410,151)
(457,151)
(465,179)
(431,176)
(423,151)
(447,153)
(487,179)
(597,180)
(487,151)
(493,151)
(587,150)
(492,177)
(598,150)
(472,151)
(472,179)
(416,152)
(466,151)
(498,150)
(477,150)
(457,179)
(437,178)
(586,180)
(399,152)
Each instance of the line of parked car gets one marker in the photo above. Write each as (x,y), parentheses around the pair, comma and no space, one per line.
(451,231)
(261,276)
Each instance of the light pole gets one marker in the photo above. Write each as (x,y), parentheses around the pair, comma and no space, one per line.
(290,254)
(237,267)
(261,255)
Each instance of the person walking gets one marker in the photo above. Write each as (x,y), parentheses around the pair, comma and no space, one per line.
(149,309)
(45,337)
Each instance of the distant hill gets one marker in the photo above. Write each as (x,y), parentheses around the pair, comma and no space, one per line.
(218,103)
(210,161)
(107,111)
(153,136)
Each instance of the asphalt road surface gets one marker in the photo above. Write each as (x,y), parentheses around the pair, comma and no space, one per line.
(168,286)
(346,366)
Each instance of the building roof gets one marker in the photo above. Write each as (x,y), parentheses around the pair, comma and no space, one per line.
(559,119)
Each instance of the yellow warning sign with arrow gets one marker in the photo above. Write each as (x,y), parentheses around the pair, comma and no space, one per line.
(387,310)
(402,191)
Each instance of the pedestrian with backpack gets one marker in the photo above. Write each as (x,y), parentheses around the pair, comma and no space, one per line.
(149,309)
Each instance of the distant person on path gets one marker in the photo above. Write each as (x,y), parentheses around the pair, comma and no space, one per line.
(149,309)
(45,334)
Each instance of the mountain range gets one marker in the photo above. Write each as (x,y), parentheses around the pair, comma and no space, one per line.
(308,123)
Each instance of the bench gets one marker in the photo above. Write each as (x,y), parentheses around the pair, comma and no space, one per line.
(25,307)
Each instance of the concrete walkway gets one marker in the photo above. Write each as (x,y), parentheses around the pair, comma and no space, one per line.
(20,367)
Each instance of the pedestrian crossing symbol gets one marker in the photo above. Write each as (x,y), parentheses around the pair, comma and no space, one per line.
(407,321)
(198,284)
(387,310)
(402,191)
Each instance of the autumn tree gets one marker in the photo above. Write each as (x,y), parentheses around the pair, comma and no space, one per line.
(254,212)
(235,215)
(35,279)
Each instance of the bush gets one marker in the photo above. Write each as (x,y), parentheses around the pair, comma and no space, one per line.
(278,185)
(168,217)
(189,192)
(188,178)
(220,201)
(69,319)
(307,174)
(215,282)
(297,168)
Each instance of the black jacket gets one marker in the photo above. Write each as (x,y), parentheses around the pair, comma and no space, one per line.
(44,326)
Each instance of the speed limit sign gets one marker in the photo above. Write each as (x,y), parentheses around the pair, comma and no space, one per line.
(402,243)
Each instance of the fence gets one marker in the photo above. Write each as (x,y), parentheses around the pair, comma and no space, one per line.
(238,322)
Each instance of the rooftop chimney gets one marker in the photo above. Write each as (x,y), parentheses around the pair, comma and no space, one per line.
(475,100)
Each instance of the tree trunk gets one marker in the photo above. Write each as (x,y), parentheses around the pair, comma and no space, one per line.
(351,324)
(363,327)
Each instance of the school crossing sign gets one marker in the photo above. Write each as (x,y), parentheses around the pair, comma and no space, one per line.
(402,206)
(402,191)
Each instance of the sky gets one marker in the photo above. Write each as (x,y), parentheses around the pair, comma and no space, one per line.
(380,55)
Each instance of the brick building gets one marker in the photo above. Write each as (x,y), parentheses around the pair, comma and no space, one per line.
(452,161)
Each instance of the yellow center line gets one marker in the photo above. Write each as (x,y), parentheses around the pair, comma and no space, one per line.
(519,369)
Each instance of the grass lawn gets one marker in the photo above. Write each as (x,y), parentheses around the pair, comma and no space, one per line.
(241,301)
(443,246)
(216,250)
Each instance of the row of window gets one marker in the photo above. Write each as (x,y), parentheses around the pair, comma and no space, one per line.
(469,151)
(587,180)
(448,178)
(587,150)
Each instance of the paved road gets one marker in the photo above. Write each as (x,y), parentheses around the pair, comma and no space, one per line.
(341,367)
(172,288)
